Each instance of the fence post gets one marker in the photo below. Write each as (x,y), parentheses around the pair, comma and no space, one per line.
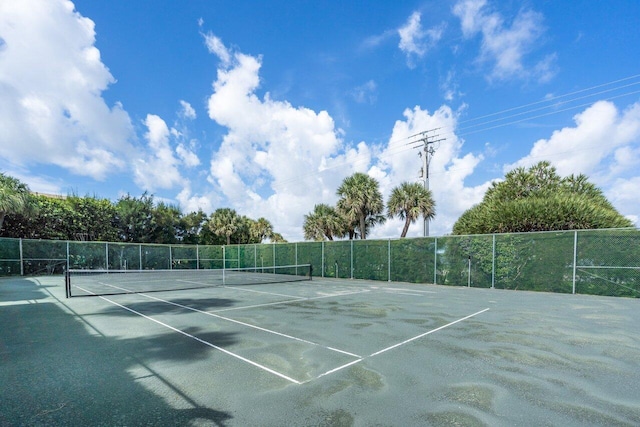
(322,259)
(493,263)
(435,262)
(351,259)
(575,258)
(106,256)
(389,260)
(197,257)
(67,256)
(21,259)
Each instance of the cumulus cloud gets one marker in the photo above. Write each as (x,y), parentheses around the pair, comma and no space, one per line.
(604,144)
(415,41)
(505,46)
(276,160)
(159,168)
(52,78)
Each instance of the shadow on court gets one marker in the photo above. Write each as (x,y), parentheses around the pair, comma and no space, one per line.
(56,371)
(161,307)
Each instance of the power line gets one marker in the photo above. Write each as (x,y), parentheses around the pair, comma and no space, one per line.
(394,147)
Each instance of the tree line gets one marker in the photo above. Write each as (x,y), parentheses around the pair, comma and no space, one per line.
(533,199)
(130,219)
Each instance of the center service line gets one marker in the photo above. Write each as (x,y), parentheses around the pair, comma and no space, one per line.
(186,307)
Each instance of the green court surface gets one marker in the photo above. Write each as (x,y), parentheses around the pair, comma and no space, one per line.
(319,353)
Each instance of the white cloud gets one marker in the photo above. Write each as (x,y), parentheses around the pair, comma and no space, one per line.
(276,160)
(187,155)
(187,111)
(159,168)
(215,46)
(52,78)
(604,144)
(505,46)
(415,41)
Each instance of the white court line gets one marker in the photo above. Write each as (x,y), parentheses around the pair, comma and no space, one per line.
(249,325)
(358,360)
(397,345)
(403,289)
(299,299)
(259,292)
(427,333)
(207,343)
(403,293)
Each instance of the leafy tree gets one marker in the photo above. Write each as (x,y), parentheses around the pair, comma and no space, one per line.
(49,218)
(224,222)
(191,226)
(166,223)
(15,197)
(538,199)
(324,222)
(360,203)
(93,218)
(409,201)
(135,219)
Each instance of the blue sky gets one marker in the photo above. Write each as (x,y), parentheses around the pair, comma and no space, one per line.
(266,106)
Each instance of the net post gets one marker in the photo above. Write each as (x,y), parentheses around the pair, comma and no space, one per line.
(67,284)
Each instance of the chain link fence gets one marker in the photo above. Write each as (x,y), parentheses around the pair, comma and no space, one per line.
(599,262)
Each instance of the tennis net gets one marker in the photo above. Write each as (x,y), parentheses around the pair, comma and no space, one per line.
(85,282)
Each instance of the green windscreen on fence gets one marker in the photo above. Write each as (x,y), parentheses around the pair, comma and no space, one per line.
(599,262)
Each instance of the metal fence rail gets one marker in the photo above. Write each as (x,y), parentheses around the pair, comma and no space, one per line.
(600,262)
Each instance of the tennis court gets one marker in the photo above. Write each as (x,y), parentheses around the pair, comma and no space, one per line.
(325,352)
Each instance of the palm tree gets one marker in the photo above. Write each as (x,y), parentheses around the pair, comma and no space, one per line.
(277,238)
(261,229)
(224,222)
(360,201)
(15,197)
(408,201)
(323,222)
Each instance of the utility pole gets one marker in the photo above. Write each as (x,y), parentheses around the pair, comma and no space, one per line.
(426,138)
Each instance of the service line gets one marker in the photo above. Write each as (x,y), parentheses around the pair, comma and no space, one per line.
(249,325)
